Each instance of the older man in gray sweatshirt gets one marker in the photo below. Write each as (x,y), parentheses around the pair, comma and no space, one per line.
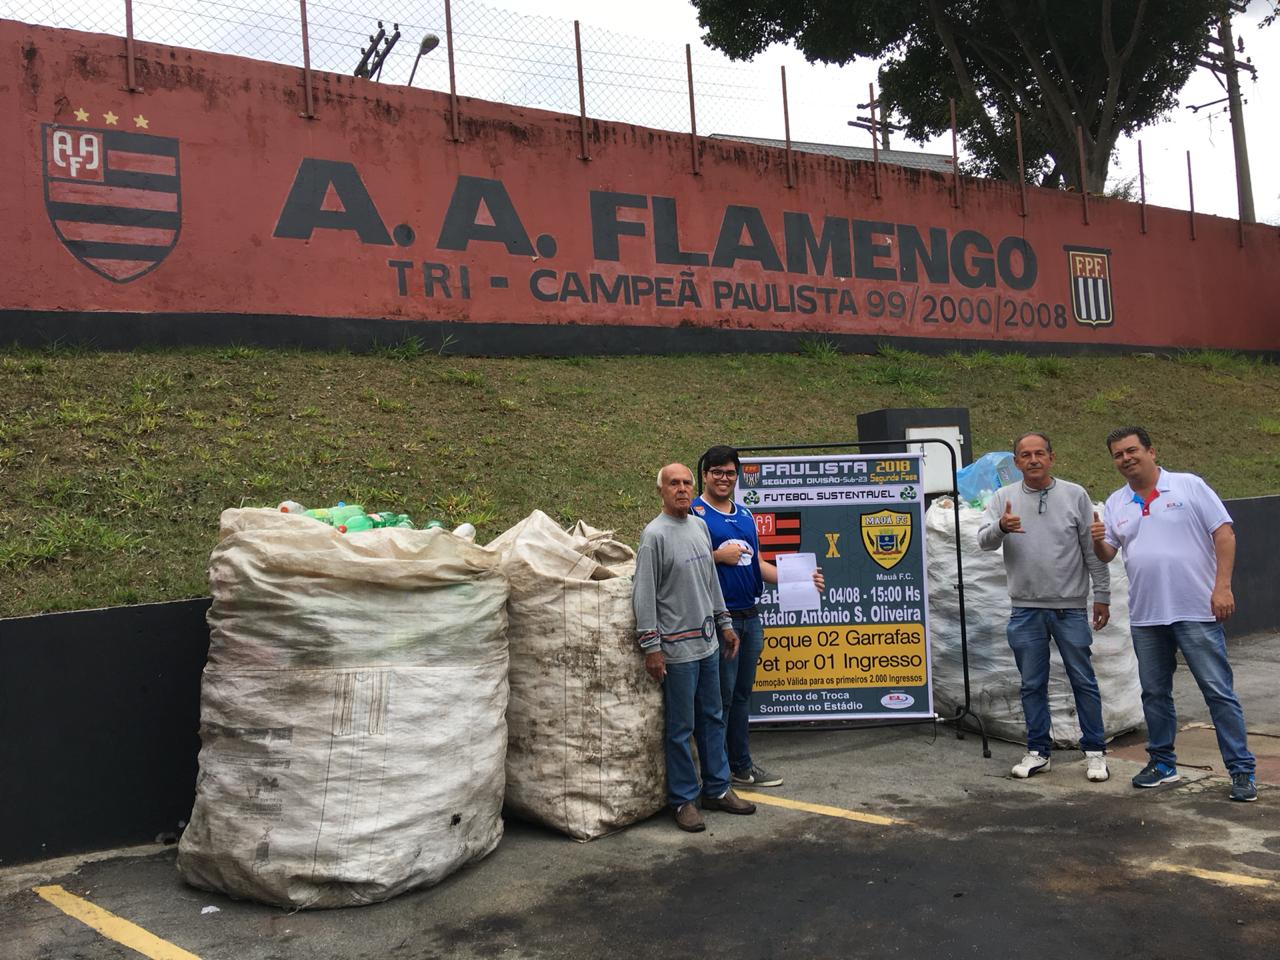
(680,620)
(1043,525)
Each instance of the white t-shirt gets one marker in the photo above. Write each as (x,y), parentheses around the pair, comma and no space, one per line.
(1168,553)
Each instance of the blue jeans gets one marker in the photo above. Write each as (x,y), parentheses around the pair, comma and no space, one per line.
(1204,647)
(693,709)
(1029,631)
(737,677)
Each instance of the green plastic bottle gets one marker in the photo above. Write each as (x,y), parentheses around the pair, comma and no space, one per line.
(388,519)
(355,523)
(342,512)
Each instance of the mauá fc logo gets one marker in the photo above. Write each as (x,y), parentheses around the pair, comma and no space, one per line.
(886,535)
(113,196)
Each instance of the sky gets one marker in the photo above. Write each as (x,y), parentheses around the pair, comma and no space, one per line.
(1206,133)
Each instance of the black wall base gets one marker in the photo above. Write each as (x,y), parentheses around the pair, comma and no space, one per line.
(128,331)
(99,727)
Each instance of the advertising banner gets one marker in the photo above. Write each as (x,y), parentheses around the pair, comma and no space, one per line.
(864,651)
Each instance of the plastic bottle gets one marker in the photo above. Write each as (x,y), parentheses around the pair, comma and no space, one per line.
(292,506)
(320,513)
(466,531)
(388,519)
(343,511)
(355,523)
(432,525)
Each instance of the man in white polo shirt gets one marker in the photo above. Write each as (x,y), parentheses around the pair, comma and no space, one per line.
(1179,551)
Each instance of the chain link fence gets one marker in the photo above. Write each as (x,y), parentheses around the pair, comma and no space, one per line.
(531,61)
(499,55)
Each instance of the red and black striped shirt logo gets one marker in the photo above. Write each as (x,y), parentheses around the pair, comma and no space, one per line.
(113,197)
(778,533)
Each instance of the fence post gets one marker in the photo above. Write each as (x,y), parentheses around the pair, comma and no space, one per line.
(693,116)
(308,100)
(875,142)
(955,159)
(582,96)
(1084,185)
(786,126)
(453,84)
(1142,189)
(130,77)
(1022,167)
(1191,196)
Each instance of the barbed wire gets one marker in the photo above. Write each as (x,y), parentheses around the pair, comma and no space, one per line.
(499,55)
(530,61)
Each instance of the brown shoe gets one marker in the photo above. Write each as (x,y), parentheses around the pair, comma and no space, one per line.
(688,818)
(729,803)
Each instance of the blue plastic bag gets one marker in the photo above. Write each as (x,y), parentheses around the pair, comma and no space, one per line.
(980,479)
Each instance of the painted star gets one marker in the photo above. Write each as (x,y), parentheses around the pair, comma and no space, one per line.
(141,122)
(82,115)
(110,118)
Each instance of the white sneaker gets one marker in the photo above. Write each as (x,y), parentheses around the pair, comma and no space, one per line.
(1097,770)
(1031,763)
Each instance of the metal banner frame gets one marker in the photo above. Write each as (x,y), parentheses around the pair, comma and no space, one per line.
(966,709)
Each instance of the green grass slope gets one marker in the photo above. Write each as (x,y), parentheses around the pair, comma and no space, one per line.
(115,466)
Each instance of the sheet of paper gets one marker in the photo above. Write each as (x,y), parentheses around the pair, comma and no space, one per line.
(796,590)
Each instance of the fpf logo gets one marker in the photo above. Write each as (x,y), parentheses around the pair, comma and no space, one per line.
(1089,270)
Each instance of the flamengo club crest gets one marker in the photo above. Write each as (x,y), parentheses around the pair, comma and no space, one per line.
(112,195)
(886,534)
(1089,270)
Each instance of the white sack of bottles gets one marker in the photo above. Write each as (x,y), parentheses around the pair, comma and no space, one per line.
(585,721)
(352,730)
(994,681)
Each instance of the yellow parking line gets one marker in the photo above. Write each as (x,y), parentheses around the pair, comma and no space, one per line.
(112,927)
(775,801)
(1217,876)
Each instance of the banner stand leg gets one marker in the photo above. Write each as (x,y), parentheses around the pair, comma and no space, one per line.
(966,709)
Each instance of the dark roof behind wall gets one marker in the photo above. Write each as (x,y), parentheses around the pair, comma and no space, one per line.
(938,162)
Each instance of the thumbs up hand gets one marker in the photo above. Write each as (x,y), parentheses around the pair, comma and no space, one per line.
(1097,529)
(1010,522)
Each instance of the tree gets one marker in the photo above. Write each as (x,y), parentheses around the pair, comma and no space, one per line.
(1110,67)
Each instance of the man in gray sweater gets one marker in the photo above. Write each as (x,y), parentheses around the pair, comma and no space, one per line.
(679,609)
(1043,525)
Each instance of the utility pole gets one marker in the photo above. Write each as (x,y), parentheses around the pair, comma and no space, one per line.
(877,126)
(1244,183)
(1227,67)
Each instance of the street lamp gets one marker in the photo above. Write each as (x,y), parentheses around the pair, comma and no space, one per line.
(429,43)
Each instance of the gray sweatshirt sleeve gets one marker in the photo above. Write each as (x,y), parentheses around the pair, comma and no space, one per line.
(990,536)
(1099,573)
(644,597)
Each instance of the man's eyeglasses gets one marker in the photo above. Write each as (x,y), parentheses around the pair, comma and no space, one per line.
(1043,496)
(724,474)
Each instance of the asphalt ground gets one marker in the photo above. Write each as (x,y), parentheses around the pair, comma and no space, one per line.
(894,842)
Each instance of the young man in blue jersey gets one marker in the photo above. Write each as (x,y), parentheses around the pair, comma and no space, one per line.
(742,574)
